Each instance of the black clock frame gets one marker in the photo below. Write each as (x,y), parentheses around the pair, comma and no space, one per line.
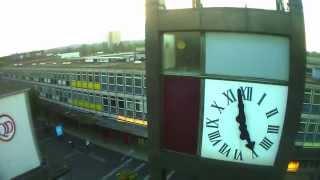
(240,20)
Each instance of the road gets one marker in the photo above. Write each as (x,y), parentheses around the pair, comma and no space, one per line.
(94,163)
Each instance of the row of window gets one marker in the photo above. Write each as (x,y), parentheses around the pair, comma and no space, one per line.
(112,82)
(311,102)
(129,107)
(309,131)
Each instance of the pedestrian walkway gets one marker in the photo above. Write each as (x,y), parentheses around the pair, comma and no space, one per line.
(130,150)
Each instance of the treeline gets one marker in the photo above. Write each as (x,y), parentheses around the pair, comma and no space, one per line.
(313,54)
(92,49)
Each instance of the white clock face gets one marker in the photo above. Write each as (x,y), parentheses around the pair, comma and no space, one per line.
(246,130)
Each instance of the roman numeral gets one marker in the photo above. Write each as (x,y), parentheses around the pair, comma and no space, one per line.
(220,109)
(230,96)
(272,112)
(246,93)
(262,98)
(266,143)
(225,149)
(212,123)
(237,155)
(273,129)
(254,155)
(213,137)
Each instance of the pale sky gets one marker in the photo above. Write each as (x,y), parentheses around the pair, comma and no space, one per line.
(27,25)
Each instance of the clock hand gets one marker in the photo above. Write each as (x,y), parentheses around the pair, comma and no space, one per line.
(241,119)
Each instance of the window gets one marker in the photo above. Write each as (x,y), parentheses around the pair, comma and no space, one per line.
(137,81)
(98,99)
(302,127)
(97,77)
(121,106)
(90,77)
(119,79)
(309,71)
(78,76)
(311,128)
(113,101)
(316,101)
(111,79)
(112,82)
(121,103)
(138,105)
(105,101)
(120,83)
(84,76)
(130,104)
(129,84)
(138,85)
(128,80)
(113,105)
(307,101)
(181,52)
(104,79)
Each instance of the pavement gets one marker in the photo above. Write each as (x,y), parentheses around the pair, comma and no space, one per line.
(94,163)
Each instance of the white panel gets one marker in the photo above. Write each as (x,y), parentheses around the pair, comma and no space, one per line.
(20,154)
(247,55)
(264,4)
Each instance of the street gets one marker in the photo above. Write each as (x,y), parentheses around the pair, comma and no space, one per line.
(93,163)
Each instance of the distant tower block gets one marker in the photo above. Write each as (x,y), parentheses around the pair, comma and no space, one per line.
(114,38)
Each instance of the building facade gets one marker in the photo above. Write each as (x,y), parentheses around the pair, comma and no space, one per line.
(116,93)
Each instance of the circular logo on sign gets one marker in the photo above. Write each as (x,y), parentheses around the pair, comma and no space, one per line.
(7,127)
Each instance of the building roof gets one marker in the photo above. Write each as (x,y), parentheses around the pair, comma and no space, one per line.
(9,88)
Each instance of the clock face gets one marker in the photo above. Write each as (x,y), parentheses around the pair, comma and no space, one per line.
(243,122)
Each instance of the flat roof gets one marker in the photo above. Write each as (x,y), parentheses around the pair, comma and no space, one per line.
(77,64)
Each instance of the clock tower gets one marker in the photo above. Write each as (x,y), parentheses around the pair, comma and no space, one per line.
(225,89)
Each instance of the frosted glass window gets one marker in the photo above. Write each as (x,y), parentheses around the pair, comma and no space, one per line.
(247,55)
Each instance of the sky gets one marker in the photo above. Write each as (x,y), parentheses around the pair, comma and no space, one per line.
(27,25)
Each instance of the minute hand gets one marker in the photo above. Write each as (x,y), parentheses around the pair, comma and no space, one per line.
(241,119)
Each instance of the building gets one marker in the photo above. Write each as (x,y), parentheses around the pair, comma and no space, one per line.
(114,38)
(70,55)
(114,95)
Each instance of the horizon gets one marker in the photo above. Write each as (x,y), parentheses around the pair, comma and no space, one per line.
(81,22)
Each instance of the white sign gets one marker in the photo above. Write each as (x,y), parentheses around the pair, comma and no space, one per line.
(243,122)
(19,152)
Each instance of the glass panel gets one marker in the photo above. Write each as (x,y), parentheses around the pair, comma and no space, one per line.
(128,81)
(121,102)
(138,105)
(302,127)
(90,77)
(181,52)
(316,99)
(113,102)
(251,55)
(111,79)
(307,108)
(316,109)
(311,128)
(104,78)
(137,82)
(307,98)
(105,101)
(130,105)
(120,80)
(96,77)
